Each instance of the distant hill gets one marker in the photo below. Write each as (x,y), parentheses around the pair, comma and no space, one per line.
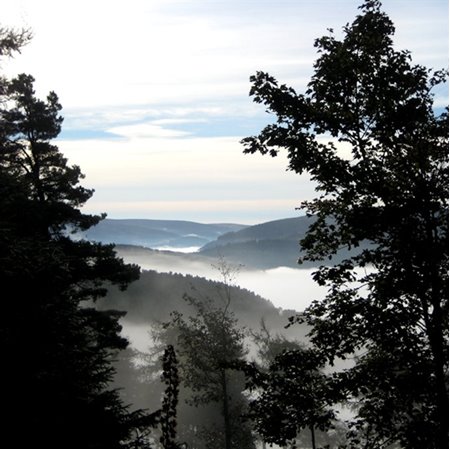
(150,300)
(269,245)
(285,229)
(173,234)
(263,246)
(266,245)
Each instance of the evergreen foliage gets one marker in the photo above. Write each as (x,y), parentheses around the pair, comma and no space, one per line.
(170,401)
(57,348)
(393,193)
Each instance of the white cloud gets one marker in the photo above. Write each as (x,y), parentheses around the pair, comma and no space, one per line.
(177,121)
(200,160)
(145,130)
(186,177)
(146,69)
(142,52)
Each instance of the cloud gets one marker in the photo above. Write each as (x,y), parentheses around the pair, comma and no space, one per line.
(186,178)
(145,130)
(155,92)
(148,52)
(177,121)
(107,54)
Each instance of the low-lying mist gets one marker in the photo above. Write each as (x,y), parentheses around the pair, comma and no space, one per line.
(288,288)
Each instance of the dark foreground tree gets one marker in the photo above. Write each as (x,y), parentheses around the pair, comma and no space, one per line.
(367,133)
(168,420)
(57,348)
(289,392)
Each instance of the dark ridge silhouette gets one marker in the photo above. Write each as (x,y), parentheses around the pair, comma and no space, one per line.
(270,245)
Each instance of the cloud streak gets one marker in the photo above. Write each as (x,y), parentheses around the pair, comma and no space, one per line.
(155,92)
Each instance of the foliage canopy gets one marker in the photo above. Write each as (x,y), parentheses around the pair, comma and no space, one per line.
(57,345)
(388,303)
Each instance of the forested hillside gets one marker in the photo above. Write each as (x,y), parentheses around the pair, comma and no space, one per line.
(263,246)
(152,302)
(285,229)
(154,296)
(272,244)
(156,233)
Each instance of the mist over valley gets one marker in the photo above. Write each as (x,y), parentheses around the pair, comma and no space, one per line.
(268,284)
(177,235)
(267,254)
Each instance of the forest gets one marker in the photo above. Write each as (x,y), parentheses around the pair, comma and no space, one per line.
(366,366)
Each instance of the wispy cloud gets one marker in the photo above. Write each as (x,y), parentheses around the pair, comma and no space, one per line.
(146,130)
(155,92)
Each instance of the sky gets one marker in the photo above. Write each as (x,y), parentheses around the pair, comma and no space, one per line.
(155,94)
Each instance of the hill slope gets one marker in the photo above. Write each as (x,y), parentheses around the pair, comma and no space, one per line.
(263,246)
(154,296)
(284,229)
(157,233)
(267,245)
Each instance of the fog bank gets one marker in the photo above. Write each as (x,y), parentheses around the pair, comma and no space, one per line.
(288,288)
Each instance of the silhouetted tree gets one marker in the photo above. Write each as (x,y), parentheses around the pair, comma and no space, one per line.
(206,339)
(366,132)
(207,342)
(56,345)
(12,41)
(270,345)
(291,398)
(170,401)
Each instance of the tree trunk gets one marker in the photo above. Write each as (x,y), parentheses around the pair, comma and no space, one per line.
(436,332)
(437,347)
(226,413)
(313,438)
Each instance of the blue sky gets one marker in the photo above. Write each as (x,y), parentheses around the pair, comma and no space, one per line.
(155,94)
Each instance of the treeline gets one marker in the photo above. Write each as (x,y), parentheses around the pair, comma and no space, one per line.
(152,298)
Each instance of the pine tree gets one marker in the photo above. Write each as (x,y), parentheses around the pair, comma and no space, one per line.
(57,346)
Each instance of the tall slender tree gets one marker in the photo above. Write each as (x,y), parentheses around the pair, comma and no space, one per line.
(168,418)
(207,342)
(392,192)
(57,346)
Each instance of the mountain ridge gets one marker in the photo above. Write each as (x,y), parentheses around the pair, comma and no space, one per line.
(261,246)
(151,233)
(282,229)
(265,245)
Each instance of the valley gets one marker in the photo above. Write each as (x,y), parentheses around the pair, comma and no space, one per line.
(263,256)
